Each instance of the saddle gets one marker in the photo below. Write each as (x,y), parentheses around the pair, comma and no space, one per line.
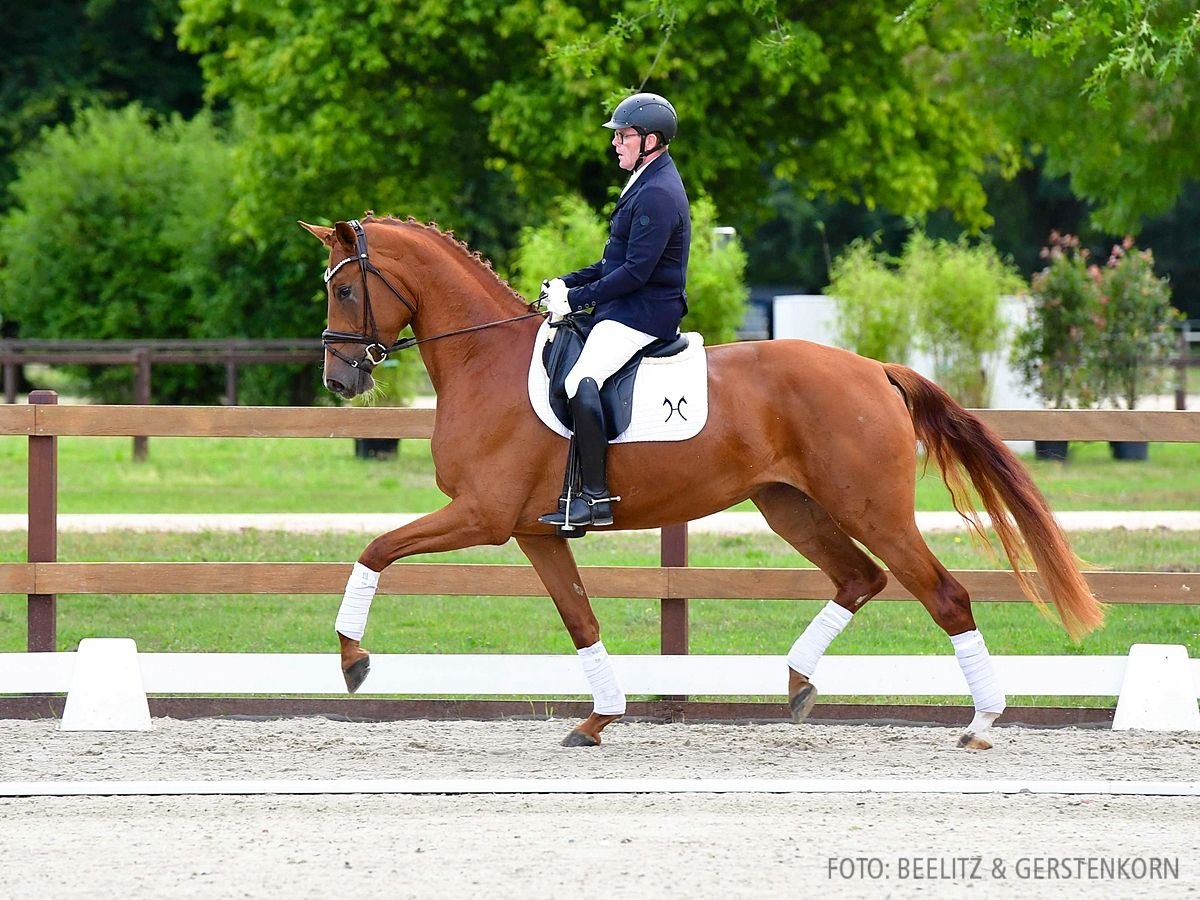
(616,397)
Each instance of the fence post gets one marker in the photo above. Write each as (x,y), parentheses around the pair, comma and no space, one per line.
(43,528)
(1181,370)
(231,379)
(10,382)
(674,619)
(141,396)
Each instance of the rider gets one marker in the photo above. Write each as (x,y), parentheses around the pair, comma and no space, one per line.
(637,288)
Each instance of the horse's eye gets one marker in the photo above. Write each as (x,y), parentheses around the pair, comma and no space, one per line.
(344,292)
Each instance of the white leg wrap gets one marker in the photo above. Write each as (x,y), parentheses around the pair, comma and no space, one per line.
(811,646)
(607,694)
(356,602)
(976,665)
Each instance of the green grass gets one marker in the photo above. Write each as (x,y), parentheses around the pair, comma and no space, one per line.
(399,624)
(205,475)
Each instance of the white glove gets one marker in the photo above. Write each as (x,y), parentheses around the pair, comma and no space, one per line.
(554,296)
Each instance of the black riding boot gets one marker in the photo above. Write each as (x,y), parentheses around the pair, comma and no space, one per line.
(592,507)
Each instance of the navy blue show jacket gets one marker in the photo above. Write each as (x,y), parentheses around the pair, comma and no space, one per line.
(641,280)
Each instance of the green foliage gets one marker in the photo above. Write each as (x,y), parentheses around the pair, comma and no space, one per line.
(716,286)
(474,113)
(941,296)
(1124,38)
(574,235)
(1096,334)
(955,289)
(1050,350)
(1130,157)
(1136,324)
(118,232)
(570,238)
(874,318)
(64,55)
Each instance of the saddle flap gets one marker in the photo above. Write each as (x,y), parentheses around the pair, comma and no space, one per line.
(616,396)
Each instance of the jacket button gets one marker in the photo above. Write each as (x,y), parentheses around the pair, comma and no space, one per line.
(603,261)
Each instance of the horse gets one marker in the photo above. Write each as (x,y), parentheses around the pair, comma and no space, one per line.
(821,440)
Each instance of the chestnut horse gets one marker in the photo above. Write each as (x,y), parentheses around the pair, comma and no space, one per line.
(821,440)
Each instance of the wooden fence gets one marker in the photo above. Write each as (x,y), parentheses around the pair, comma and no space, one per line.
(143,355)
(42,577)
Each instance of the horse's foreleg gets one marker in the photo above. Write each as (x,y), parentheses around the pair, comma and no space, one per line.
(450,528)
(804,524)
(555,564)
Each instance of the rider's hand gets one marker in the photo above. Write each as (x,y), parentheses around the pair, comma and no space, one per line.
(554,296)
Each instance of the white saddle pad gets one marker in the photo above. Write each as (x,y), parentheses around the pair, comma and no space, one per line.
(670,395)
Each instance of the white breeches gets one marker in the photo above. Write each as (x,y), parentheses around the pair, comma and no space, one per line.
(609,346)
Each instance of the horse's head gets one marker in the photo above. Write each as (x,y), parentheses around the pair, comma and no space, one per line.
(359,335)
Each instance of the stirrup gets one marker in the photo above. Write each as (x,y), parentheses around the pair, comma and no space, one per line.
(567,519)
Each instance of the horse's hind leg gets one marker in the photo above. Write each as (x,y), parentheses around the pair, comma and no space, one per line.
(910,560)
(804,524)
(555,564)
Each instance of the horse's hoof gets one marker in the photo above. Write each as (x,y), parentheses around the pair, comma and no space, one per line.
(579,738)
(974,742)
(356,673)
(802,702)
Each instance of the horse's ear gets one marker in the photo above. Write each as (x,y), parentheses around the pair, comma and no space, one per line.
(345,233)
(320,232)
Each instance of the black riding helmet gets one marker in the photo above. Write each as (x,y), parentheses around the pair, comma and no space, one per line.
(648,113)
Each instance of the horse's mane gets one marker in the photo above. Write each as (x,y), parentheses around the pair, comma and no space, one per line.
(449,238)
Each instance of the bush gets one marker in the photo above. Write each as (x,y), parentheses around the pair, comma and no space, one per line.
(1095,334)
(570,239)
(1136,325)
(874,319)
(574,236)
(1051,349)
(118,232)
(716,287)
(941,296)
(955,289)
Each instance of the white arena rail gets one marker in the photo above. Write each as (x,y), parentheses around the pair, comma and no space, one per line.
(1151,678)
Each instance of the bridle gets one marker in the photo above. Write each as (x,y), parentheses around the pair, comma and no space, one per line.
(374,351)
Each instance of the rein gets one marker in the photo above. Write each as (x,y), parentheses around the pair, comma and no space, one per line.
(375,352)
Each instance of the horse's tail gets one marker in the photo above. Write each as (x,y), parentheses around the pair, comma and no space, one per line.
(957,440)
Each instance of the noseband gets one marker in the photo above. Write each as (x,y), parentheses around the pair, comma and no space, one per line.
(375,352)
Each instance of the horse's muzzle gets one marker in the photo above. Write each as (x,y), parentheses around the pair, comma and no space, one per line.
(335,386)
(348,382)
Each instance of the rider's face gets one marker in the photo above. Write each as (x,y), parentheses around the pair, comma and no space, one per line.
(628,144)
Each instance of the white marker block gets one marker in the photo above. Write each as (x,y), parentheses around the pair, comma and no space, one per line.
(1157,693)
(106,692)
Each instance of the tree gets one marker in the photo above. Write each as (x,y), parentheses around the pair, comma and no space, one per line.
(118,232)
(1120,39)
(64,55)
(478,113)
(1129,157)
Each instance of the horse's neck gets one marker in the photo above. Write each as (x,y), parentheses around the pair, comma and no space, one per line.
(462,298)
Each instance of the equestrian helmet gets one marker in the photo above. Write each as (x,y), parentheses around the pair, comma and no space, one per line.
(647,113)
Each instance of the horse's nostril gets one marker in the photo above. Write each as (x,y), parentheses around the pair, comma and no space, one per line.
(335,386)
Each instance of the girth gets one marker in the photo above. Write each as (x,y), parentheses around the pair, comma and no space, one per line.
(616,397)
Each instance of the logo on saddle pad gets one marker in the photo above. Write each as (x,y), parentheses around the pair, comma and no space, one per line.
(658,399)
